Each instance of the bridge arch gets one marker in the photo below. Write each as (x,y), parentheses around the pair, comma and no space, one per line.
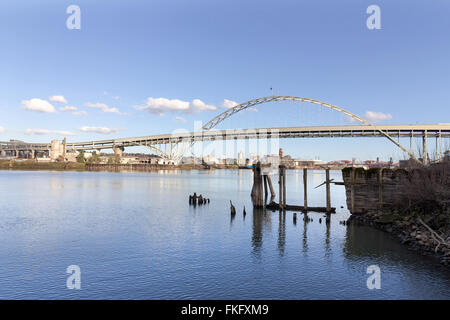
(242,106)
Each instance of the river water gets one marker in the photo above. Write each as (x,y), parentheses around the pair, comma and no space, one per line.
(134,236)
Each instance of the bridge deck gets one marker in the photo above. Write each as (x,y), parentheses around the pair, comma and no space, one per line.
(431,130)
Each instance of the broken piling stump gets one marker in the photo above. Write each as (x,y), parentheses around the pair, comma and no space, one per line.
(232,208)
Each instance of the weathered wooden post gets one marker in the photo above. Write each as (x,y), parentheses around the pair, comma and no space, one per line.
(380,188)
(352,191)
(305,188)
(272,191)
(280,182)
(266,192)
(232,209)
(284,186)
(194,199)
(327,177)
(257,195)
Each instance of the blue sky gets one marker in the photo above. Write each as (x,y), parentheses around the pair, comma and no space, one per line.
(129,51)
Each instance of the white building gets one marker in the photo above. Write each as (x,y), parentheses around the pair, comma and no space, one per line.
(241,159)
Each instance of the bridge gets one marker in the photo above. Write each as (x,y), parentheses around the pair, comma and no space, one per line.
(208,133)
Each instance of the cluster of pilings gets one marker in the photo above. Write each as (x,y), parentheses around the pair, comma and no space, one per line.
(194,199)
(257,192)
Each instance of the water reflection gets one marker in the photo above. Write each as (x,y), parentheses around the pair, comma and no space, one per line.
(262,222)
(305,234)
(281,231)
(327,235)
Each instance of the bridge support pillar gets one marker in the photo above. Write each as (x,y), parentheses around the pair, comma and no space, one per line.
(3,153)
(118,151)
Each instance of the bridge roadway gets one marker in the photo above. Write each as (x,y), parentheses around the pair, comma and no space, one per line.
(437,130)
(429,130)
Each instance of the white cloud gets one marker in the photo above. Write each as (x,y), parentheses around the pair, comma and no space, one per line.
(181,119)
(73,110)
(198,105)
(103,107)
(229,103)
(103,130)
(59,99)
(68,108)
(161,105)
(377,116)
(46,131)
(38,105)
(2,129)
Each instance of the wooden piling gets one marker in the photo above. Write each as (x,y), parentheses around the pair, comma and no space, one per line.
(280,183)
(327,177)
(257,195)
(380,188)
(266,192)
(352,191)
(305,188)
(272,191)
(284,187)
(232,209)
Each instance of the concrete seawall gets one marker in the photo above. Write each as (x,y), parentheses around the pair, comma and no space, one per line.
(370,190)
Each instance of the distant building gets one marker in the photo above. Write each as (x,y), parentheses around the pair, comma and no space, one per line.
(241,161)
(306,163)
(58,149)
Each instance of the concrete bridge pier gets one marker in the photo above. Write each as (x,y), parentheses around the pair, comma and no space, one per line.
(118,151)
(3,153)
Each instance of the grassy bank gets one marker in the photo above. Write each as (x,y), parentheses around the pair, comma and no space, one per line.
(34,165)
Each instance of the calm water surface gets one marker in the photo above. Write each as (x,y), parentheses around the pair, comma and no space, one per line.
(135,236)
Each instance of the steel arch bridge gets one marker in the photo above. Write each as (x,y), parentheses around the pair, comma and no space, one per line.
(230,112)
(159,143)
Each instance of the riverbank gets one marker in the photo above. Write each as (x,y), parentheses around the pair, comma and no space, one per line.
(34,165)
(75,166)
(408,229)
